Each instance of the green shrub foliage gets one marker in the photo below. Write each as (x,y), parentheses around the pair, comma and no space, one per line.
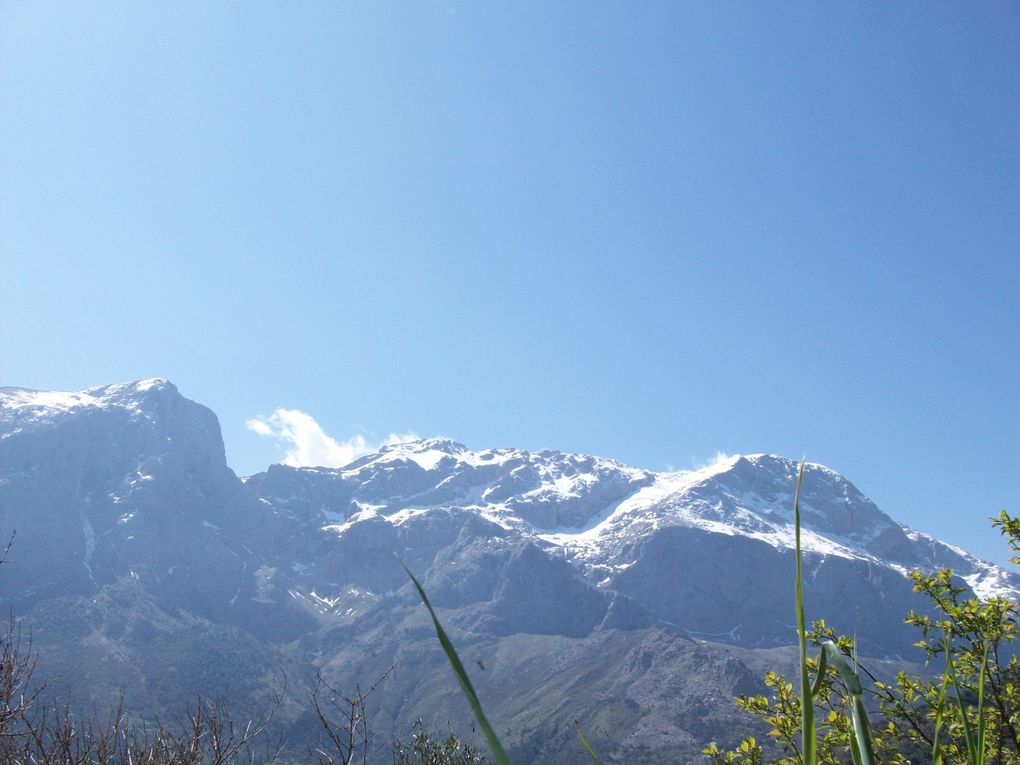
(968,712)
(426,749)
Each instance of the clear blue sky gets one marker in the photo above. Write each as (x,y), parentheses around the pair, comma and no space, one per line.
(647,231)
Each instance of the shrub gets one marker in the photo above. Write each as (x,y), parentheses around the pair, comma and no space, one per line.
(969,712)
(426,749)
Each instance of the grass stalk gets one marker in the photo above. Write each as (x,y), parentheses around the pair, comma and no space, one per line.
(587,746)
(936,746)
(807,706)
(861,745)
(975,740)
(982,728)
(495,746)
(968,729)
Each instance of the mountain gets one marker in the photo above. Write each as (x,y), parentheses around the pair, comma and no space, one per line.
(632,600)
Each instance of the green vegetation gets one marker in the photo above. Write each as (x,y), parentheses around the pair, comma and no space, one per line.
(585,744)
(495,746)
(35,731)
(968,714)
(426,749)
(828,720)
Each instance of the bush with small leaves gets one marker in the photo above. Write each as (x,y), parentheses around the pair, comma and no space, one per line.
(969,713)
(426,749)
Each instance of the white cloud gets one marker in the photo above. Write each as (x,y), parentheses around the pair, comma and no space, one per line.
(308,445)
(719,459)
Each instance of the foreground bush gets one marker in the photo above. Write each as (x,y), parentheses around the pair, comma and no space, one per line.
(967,713)
(33,732)
(426,749)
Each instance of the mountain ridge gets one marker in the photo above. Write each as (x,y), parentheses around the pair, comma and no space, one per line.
(139,550)
(875,537)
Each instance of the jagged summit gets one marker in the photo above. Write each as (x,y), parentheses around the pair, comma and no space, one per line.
(99,395)
(136,456)
(585,503)
(593,509)
(136,420)
(146,560)
(32,405)
(435,443)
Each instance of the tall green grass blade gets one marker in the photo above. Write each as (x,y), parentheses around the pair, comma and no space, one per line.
(862,730)
(981,708)
(936,746)
(820,674)
(587,746)
(850,679)
(968,730)
(807,706)
(861,746)
(855,751)
(462,677)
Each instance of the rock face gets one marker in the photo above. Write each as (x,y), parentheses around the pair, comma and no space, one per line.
(119,480)
(708,552)
(607,590)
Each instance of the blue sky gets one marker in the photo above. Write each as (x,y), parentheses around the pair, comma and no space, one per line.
(647,231)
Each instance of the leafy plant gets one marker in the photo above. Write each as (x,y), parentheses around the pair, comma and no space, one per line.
(978,725)
(426,749)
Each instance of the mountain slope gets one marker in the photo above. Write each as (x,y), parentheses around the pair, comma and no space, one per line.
(720,537)
(140,554)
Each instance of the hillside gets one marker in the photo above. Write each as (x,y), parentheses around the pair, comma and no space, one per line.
(635,601)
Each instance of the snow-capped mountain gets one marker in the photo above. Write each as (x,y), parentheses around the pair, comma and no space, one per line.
(666,540)
(127,516)
(593,508)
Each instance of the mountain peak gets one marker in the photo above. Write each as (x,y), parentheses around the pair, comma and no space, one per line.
(25,405)
(422,445)
(763,467)
(143,385)
(97,396)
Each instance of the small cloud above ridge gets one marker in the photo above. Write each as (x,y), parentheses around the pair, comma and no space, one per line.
(719,459)
(308,445)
